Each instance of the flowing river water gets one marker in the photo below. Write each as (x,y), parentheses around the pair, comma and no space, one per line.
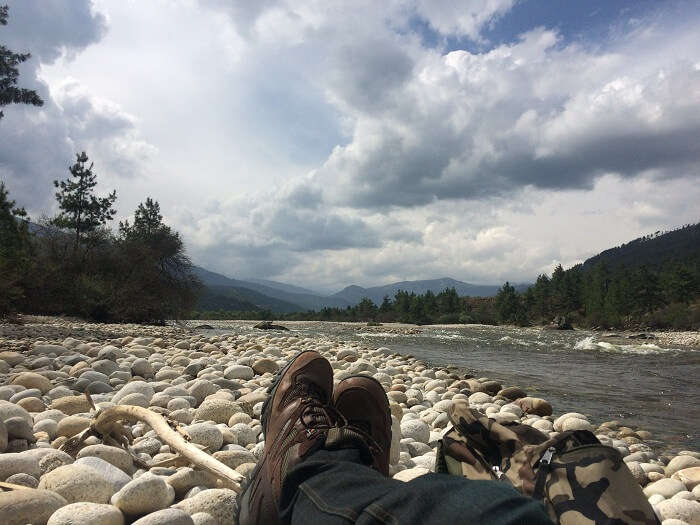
(645,384)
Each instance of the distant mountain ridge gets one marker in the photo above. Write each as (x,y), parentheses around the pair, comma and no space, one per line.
(285,298)
(354,294)
(279,291)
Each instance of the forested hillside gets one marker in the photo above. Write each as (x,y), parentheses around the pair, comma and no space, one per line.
(653,281)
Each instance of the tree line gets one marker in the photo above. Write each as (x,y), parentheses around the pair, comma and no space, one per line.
(445,307)
(601,294)
(74,264)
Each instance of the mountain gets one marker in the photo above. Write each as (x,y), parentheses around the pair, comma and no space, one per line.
(280,292)
(218,297)
(283,286)
(210,299)
(353,294)
(282,297)
(657,249)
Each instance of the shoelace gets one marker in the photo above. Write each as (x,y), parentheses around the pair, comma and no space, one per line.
(316,415)
(323,417)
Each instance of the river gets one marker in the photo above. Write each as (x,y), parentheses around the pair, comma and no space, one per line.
(645,384)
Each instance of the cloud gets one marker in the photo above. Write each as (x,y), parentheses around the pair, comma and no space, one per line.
(324,142)
(38,144)
(462,18)
(532,113)
(51,28)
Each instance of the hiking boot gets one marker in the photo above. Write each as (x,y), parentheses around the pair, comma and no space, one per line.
(295,418)
(361,400)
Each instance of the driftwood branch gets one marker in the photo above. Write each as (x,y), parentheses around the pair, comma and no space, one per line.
(106,426)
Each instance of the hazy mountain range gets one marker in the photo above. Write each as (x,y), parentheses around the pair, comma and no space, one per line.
(225,293)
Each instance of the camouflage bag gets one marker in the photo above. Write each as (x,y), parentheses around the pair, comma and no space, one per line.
(578,479)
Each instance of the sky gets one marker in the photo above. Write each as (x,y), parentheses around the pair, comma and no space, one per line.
(325,143)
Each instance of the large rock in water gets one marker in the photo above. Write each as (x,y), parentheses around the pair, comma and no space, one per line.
(19,507)
(534,405)
(268,325)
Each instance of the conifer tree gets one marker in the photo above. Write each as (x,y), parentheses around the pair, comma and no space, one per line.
(9,60)
(81,211)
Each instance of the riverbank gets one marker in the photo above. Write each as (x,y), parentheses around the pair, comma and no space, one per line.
(213,386)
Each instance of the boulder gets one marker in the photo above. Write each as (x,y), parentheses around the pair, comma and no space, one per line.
(219,503)
(84,513)
(166,517)
(18,462)
(680,509)
(665,487)
(534,405)
(117,477)
(116,456)
(416,429)
(8,410)
(265,365)
(234,458)
(217,410)
(239,372)
(680,463)
(72,425)
(205,434)
(689,476)
(71,405)
(147,493)
(78,483)
(19,507)
(512,393)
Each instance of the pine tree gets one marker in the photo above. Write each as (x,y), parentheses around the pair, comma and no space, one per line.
(14,246)
(81,211)
(9,60)
(148,221)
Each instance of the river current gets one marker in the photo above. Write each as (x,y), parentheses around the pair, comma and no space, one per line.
(644,384)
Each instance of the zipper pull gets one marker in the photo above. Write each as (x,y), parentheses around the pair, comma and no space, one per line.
(542,471)
(547,456)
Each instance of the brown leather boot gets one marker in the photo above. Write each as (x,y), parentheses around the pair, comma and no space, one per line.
(361,400)
(296,419)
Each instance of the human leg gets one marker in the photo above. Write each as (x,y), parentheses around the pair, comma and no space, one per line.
(338,487)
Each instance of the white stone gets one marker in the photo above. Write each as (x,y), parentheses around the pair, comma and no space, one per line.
(219,503)
(575,423)
(84,513)
(479,398)
(19,507)
(205,434)
(560,420)
(411,473)
(665,487)
(680,509)
(415,429)
(78,483)
(166,517)
(147,493)
(239,372)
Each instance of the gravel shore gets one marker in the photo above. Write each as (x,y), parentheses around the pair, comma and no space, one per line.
(213,387)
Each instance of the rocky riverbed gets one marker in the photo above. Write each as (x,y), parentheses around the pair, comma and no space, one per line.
(213,387)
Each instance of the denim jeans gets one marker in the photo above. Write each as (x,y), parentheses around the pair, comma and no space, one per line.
(335,487)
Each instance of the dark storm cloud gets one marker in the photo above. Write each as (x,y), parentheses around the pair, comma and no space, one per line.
(49,28)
